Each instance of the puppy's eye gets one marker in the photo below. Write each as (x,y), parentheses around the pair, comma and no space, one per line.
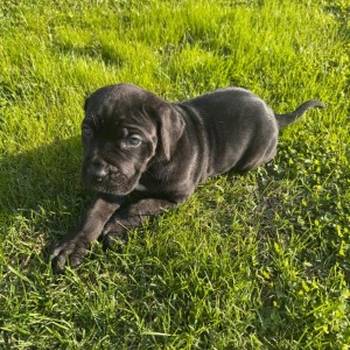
(133,140)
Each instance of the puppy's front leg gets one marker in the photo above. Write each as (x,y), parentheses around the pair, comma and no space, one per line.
(127,218)
(75,246)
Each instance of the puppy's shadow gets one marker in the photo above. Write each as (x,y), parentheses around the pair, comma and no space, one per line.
(43,186)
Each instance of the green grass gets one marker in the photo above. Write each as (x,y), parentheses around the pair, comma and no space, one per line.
(259,261)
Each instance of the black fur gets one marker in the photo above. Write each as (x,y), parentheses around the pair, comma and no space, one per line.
(137,143)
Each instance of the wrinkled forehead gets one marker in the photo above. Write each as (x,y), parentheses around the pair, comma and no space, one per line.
(112,99)
(136,121)
(121,108)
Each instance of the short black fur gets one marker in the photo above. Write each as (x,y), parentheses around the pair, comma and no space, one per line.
(135,142)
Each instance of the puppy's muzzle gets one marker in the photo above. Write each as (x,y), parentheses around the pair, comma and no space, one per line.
(98,171)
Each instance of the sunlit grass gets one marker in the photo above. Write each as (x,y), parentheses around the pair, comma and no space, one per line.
(248,262)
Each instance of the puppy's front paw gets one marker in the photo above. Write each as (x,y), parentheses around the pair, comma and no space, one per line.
(70,251)
(114,234)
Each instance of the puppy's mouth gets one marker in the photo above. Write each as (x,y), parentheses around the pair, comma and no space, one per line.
(114,182)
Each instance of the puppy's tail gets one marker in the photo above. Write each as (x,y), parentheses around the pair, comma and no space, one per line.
(288,118)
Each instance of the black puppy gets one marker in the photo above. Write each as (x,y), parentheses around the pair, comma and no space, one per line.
(136,142)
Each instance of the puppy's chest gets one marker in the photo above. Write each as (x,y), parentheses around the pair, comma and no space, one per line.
(149,184)
(141,188)
(154,185)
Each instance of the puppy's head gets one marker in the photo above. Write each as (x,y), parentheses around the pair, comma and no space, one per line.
(124,129)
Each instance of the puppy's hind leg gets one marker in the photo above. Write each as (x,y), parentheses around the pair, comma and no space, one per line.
(254,158)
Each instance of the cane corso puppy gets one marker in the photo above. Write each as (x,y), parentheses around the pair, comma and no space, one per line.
(135,142)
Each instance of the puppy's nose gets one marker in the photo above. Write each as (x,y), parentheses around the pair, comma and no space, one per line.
(98,171)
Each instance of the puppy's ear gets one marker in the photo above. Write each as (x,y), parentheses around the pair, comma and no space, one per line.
(171,127)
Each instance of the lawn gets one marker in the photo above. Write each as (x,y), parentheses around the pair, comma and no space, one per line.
(254,261)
